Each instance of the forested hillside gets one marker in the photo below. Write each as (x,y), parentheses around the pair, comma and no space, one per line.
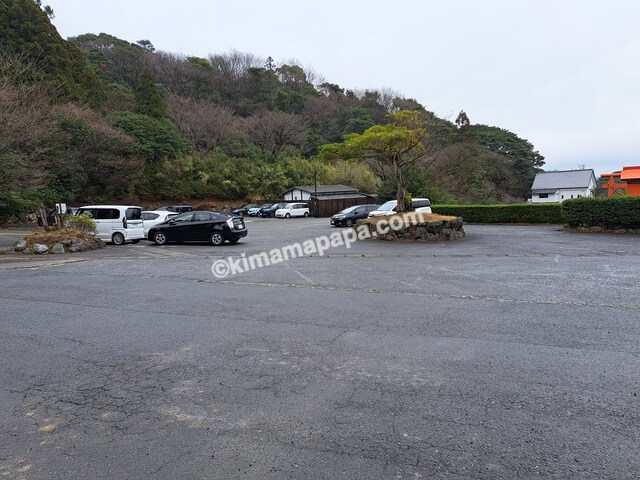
(98,118)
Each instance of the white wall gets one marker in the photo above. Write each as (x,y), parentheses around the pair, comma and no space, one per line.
(564,194)
(550,199)
(296,194)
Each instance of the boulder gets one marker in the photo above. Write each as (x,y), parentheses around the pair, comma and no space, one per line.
(40,248)
(596,229)
(27,250)
(96,243)
(79,245)
(58,248)
(20,245)
(4,250)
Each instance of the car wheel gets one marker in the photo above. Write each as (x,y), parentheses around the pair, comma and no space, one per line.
(160,238)
(306,214)
(117,238)
(287,215)
(349,223)
(216,239)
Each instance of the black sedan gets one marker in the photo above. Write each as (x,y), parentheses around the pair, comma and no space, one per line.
(348,216)
(212,227)
(243,210)
(271,211)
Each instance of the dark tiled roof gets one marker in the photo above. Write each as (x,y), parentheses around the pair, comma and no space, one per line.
(562,179)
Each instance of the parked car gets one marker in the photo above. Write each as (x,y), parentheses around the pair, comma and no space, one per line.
(116,223)
(243,210)
(176,209)
(155,217)
(199,226)
(293,210)
(255,211)
(390,207)
(348,216)
(271,211)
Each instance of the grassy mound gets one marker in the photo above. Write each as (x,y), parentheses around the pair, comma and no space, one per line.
(51,237)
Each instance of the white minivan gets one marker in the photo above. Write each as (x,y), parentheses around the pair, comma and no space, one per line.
(116,223)
(390,207)
(293,210)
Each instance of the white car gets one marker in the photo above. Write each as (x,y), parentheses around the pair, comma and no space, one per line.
(155,217)
(390,207)
(293,210)
(116,223)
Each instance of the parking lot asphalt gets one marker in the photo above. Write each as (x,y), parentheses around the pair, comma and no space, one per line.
(513,353)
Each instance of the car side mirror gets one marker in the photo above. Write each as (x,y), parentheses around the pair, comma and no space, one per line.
(172,222)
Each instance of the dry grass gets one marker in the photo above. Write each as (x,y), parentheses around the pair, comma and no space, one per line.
(425,218)
(52,237)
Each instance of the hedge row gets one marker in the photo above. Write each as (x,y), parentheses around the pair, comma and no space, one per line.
(519,213)
(605,212)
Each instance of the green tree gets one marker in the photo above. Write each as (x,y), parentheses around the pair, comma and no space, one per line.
(400,142)
(155,138)
(525,159)
(147,96)
(359,121)
(25,29)
(92,88)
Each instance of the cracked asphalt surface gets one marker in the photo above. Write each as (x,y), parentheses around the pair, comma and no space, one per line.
(511,354)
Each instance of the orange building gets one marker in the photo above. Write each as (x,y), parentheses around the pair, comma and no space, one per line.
(628,179)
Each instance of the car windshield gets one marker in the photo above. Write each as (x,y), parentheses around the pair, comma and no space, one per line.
(390,205)
(348,210)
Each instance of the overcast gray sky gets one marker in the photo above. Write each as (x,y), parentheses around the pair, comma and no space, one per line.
(564,74)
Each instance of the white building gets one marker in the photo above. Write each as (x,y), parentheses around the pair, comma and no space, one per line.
(305,192)
(562,185)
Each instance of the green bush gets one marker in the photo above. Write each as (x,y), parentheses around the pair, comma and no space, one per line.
(520,213)
(611,213)
(83,223)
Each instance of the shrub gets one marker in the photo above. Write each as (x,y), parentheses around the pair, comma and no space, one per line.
(610,213)
(519,213)
(82,222)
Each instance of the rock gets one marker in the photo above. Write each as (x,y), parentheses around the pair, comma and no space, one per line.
(27,250)
(20,245)
(58,248)
(96,243)
(4,250)
(67,242)
(596,229)
(79,245)
(620,230)
(40,248)
(435,230)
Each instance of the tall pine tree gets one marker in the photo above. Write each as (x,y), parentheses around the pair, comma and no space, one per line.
(147,96)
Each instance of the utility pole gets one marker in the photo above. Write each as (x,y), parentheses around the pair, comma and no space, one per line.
(315,193)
